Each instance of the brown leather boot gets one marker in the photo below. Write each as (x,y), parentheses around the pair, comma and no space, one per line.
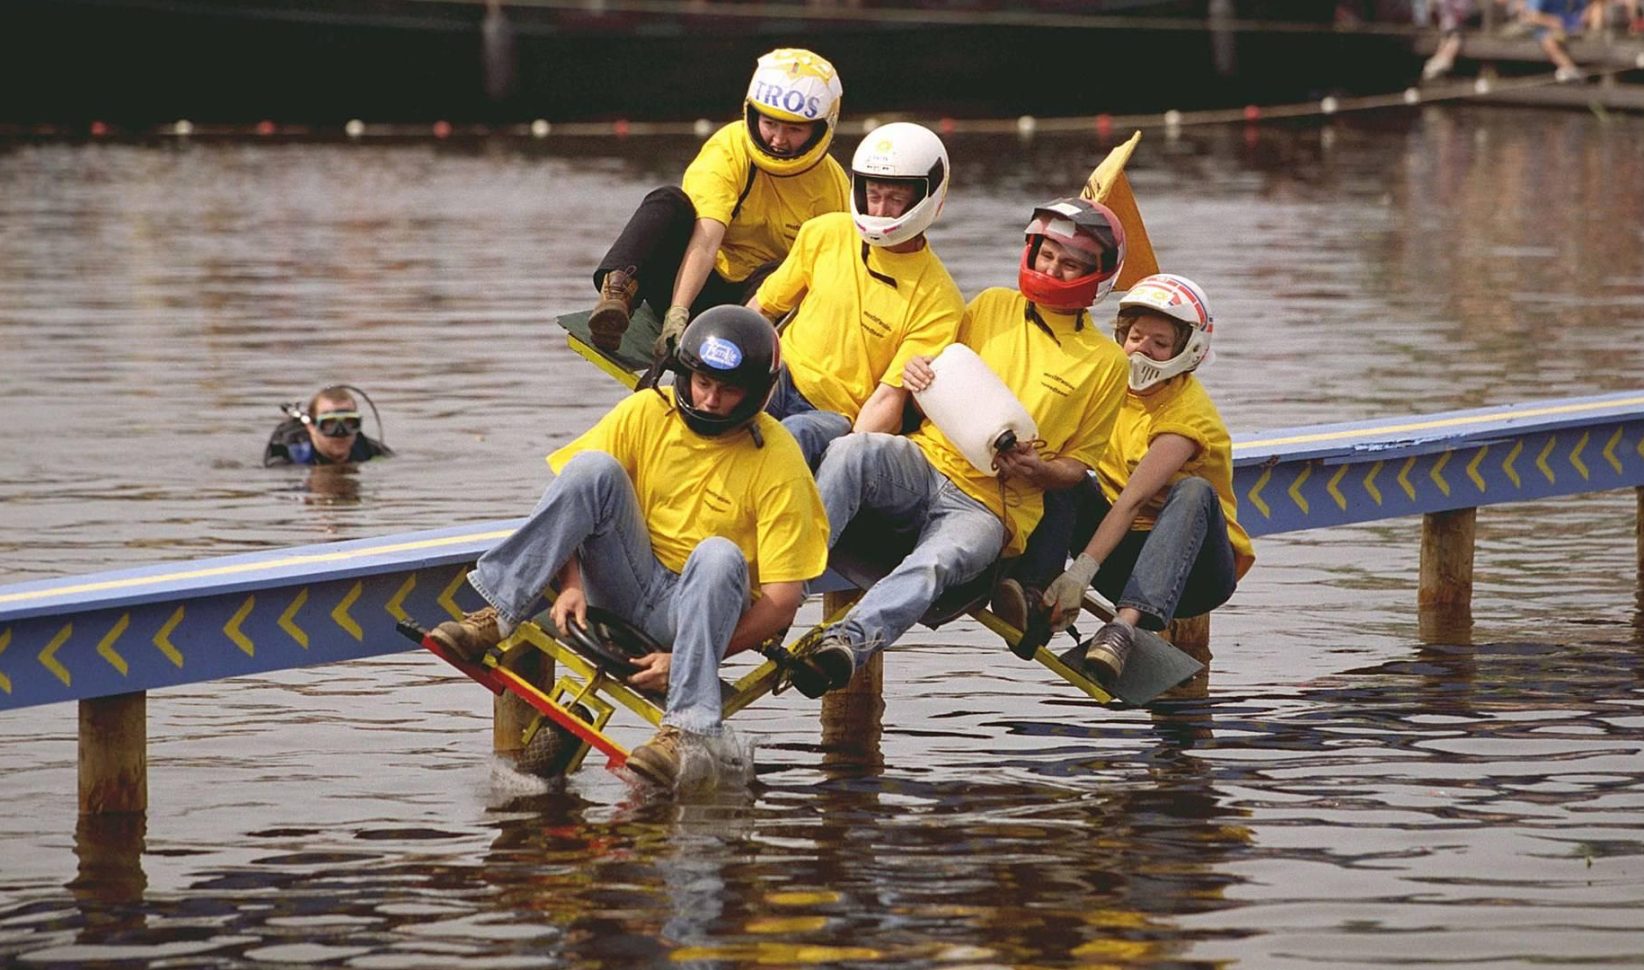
(616,302)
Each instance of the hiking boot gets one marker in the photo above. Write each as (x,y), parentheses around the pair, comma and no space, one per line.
(1106,652)
(1010,603)
(657,760)
(829,667)
(609,320)
(469,637)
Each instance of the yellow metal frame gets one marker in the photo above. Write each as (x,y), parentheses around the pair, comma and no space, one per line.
(583,683)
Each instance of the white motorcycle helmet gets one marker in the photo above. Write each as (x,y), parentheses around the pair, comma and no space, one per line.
(1183,301)
(798,87)
(906,153)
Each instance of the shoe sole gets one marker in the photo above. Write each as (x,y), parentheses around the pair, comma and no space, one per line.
(1105,664)
(606,325)
(651,773)
(451,647)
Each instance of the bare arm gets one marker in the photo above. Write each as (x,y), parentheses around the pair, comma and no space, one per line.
(1023,462)
(571,600)
(700,251)
(1165,456)
(882,411)
(769,616)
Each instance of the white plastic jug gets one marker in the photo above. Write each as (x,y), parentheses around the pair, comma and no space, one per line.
(973,407)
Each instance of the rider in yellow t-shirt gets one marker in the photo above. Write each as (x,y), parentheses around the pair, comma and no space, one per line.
(1159,536)
(692,516)
(733,218)
(1039,341)
(868,294)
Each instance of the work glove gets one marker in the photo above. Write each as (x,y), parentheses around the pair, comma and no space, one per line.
(1067,591)
(673,324)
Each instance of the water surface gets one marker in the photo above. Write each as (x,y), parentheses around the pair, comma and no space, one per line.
(1346,794)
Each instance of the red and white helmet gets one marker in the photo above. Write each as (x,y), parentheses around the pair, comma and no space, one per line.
(900,153)
(1089,227)
(798,87)
(1182,300)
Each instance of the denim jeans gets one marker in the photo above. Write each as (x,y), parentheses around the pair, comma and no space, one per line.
(959,537)
(591,509)
(1183,566)
(813,429)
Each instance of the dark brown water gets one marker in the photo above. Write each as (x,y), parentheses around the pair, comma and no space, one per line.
(1345,795)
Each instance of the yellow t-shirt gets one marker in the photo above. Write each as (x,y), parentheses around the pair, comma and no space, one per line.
(1070,385)
(852,331)
(1180,406)
(691,487)
(774,209)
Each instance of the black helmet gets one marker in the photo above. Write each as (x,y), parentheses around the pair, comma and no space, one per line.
(733,344)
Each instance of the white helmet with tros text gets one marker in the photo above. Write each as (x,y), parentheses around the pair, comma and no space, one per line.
(1181,300)
(796,87)
(899,153)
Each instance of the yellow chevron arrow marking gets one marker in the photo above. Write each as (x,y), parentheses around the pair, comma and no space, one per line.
(396,603)
(106,645)
(163,638)
(1370,482)
(1507,465)
(1330,486)
(1295,488)
(232,627)
(1472,469)
(1609,451)
(48,656)
(288,619)
(1438,466)
(340,614)
(1575,455)
(445,598)
(1404,478)
(1541,459)
(5,641)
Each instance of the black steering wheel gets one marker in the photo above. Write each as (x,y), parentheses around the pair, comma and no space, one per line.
(610,642)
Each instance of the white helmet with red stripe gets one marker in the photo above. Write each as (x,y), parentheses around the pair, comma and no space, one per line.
(1181,300)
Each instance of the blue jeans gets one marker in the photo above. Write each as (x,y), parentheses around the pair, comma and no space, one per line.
(813,429)
(1183,566)
(959,537)
(591,509)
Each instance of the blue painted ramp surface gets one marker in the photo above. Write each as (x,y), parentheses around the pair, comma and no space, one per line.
(179,623)
(1312,477)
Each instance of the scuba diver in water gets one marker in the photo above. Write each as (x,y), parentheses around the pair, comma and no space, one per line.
(326,432)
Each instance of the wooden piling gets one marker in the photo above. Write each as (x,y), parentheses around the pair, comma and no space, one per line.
(853,717)
(511,715)
(1191,635)
(114,754)
(1638,528)
(1445,597)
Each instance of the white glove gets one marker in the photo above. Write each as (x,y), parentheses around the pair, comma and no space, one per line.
(1068,591)
(673,324)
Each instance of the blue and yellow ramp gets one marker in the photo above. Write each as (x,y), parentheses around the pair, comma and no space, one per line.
(1310,478)
(160,626)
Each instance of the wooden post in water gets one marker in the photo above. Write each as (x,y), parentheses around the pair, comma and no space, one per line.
(852,718)
(1638,527)
(114,754)
(1191,635)
(1445,598)
(510,715)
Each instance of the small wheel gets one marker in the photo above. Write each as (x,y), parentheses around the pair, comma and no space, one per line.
(552,748)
